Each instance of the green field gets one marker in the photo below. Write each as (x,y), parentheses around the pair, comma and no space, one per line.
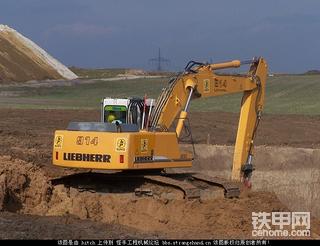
(97,73)
(286,94)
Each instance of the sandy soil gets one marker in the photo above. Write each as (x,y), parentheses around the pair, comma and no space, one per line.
(19,226)
(25,189)
(26,193)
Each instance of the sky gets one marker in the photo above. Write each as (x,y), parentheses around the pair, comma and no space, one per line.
(127,33)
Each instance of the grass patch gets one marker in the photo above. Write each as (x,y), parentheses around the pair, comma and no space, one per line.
(97,73)
(286,94)
(90,95)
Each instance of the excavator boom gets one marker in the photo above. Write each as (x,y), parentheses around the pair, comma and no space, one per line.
(202,81)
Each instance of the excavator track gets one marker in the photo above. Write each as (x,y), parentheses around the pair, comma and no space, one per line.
(190,191)
(231,189)
(191,184)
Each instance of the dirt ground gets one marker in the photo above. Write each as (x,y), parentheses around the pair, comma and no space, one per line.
(18,226)
(27,195)
(28,133)
(275,130)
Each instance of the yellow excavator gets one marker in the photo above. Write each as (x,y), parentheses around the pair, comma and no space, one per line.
(136,134)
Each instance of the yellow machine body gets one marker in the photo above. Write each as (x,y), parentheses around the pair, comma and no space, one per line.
(118,151)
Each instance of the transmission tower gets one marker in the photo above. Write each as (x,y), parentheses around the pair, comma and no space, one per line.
(159,61)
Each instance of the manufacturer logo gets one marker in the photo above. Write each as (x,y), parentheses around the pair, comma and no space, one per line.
(58,141)
(121,145)
(86,157)
(206,85)
(143,159)
(144,145)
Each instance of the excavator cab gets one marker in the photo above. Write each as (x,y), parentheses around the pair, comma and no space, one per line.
(127,111)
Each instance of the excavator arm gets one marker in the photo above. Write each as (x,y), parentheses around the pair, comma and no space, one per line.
(200,80)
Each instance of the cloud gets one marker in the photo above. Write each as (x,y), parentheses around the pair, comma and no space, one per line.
(80,29)
(286,23)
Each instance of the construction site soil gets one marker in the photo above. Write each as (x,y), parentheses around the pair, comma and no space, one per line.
(33,207)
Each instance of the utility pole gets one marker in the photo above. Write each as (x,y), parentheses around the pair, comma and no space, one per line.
(159,61)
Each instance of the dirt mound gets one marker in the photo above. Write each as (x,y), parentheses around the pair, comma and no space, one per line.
(23,187)
(27,190)
(22,60)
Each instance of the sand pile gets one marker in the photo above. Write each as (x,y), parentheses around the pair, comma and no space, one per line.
(23,60)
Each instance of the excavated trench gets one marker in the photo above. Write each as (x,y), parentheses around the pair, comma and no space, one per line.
(284,179)
(293,174)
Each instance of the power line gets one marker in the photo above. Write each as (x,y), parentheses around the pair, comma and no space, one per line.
(159,61)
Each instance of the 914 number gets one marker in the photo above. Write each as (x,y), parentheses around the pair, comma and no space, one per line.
(87,140)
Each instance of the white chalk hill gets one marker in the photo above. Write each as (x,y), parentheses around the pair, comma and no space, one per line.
(22,60)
